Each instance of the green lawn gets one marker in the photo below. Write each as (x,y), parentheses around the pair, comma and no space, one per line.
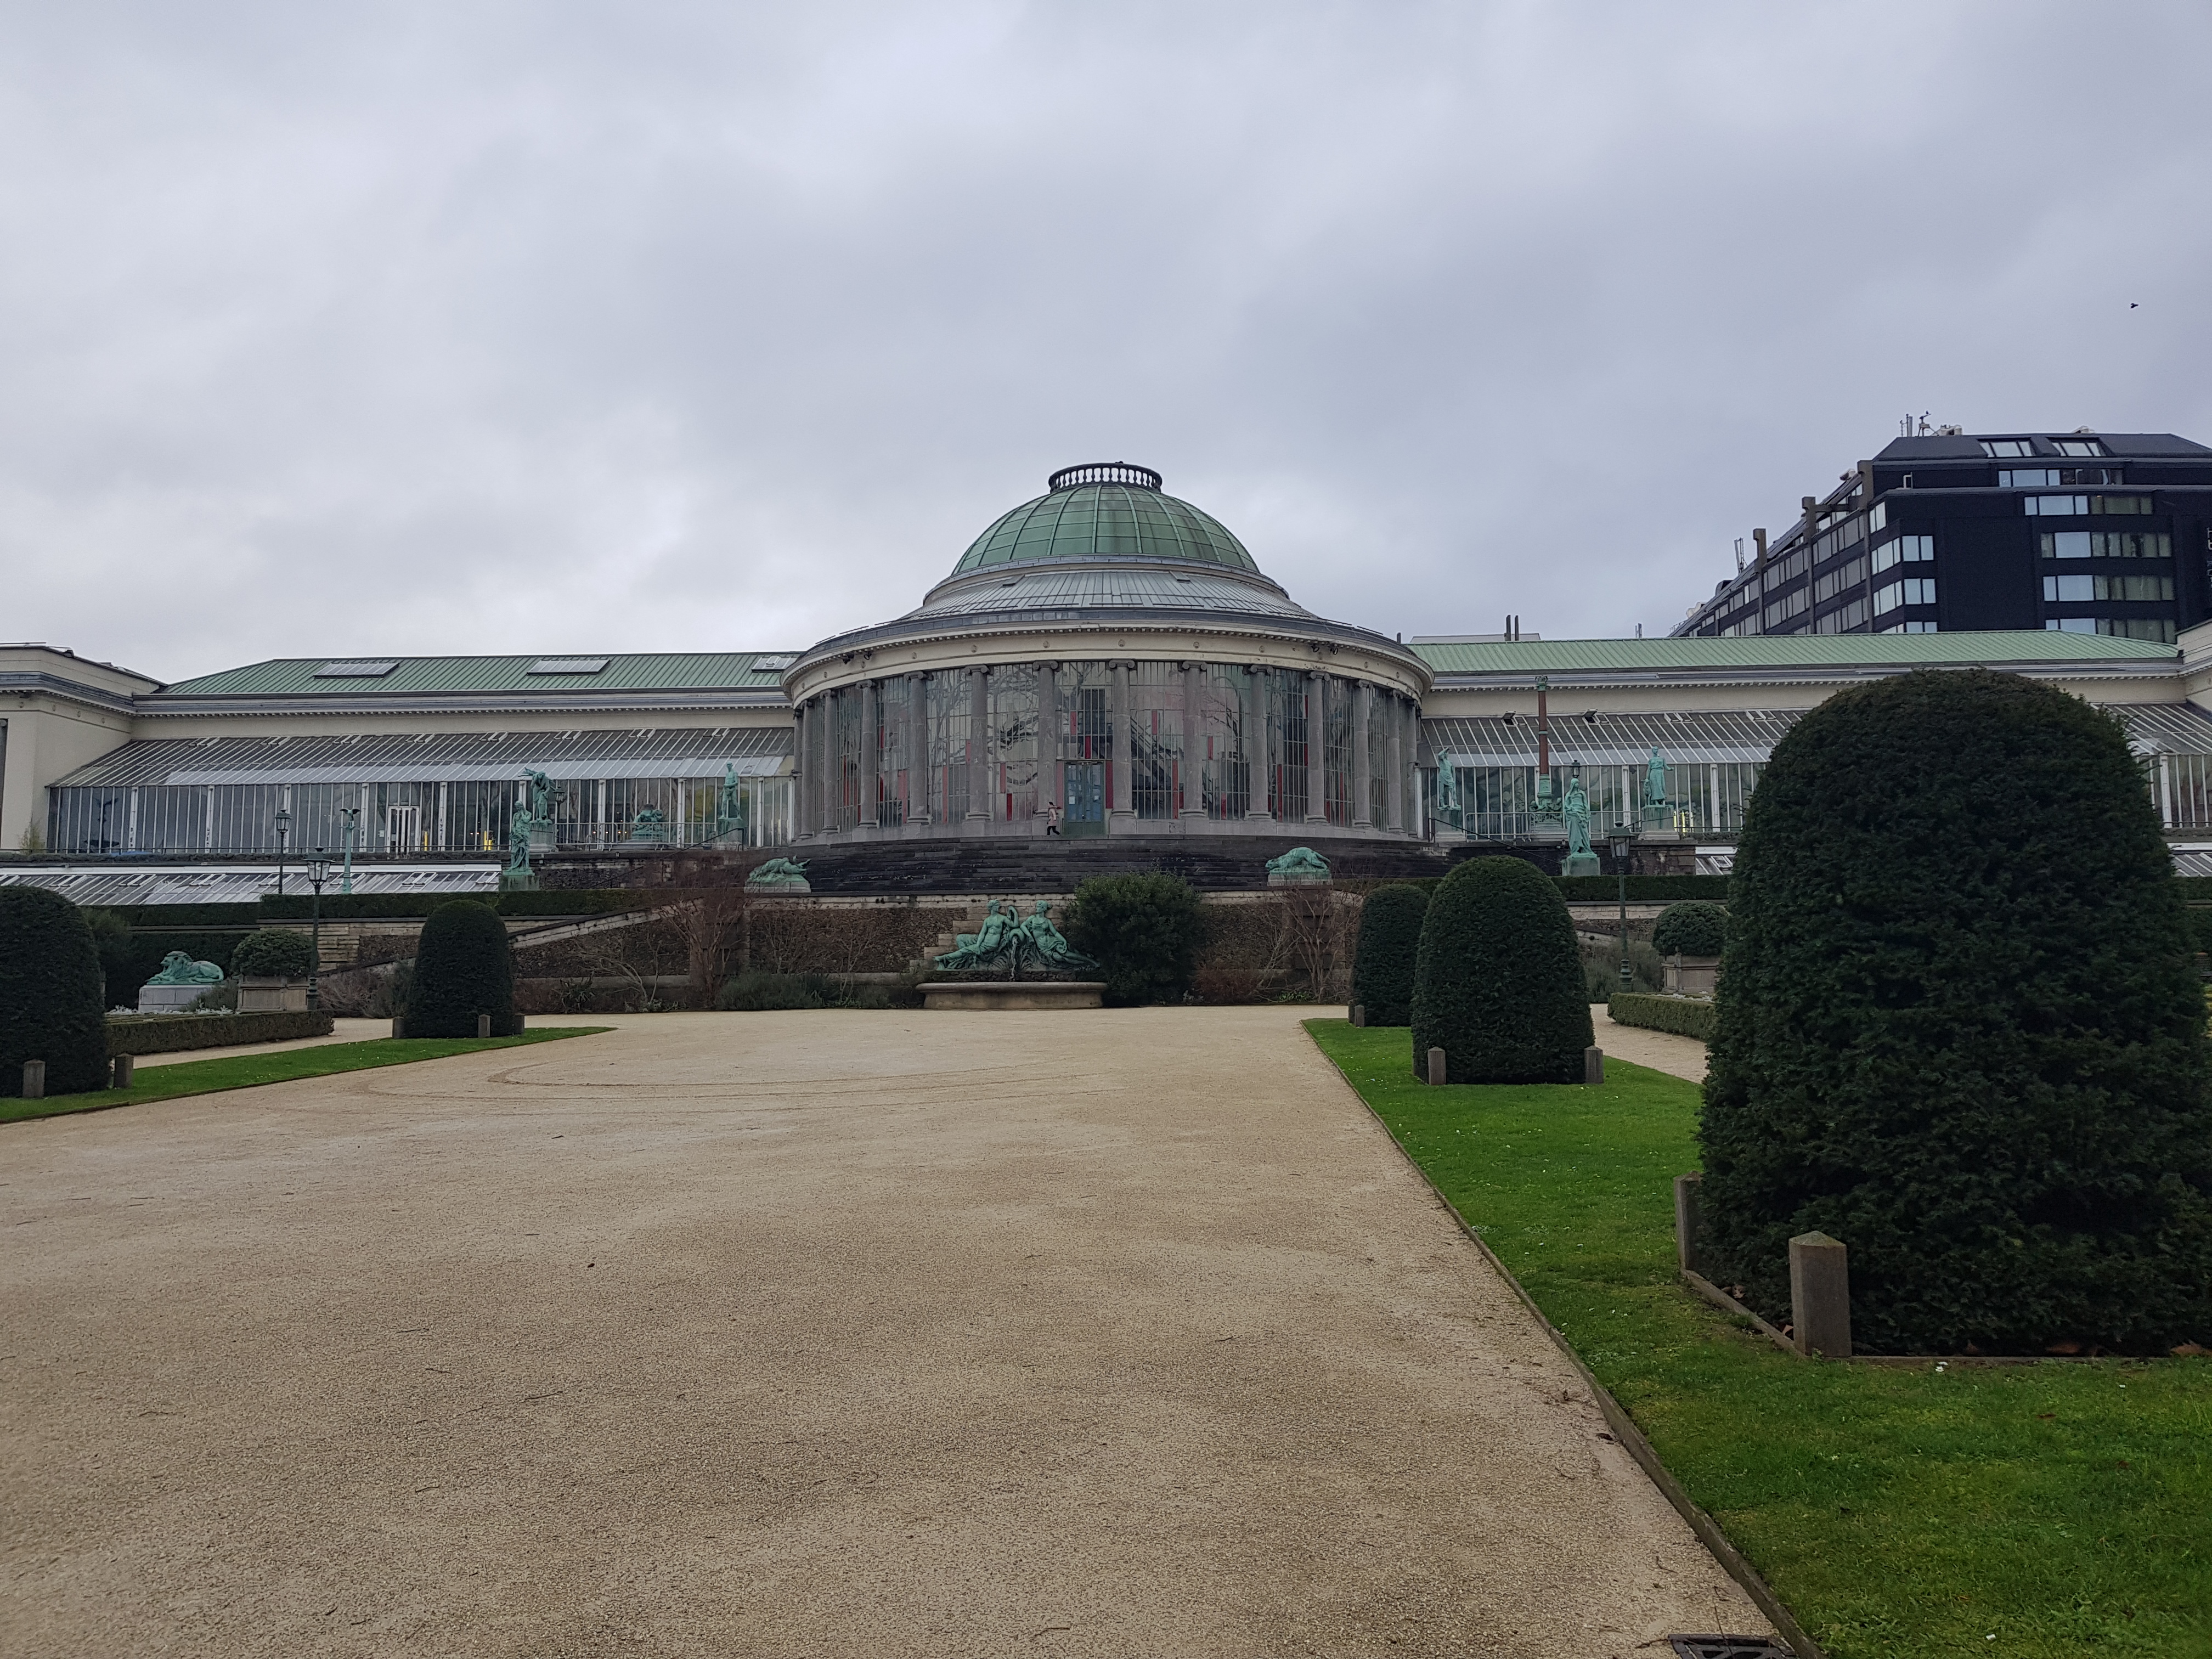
(205,1076)
(2062,1509)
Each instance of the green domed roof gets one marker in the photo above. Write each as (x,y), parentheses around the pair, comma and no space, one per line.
(1113,511)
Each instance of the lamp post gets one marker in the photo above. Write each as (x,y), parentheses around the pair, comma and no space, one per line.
(352,817)
(1619,843)
(283,830)
(318,872)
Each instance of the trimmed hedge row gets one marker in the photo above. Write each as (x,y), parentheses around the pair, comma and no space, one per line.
(1689,1016)
(164,1034)
(1590,889)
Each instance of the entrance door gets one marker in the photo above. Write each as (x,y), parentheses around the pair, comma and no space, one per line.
(1086,798)
(400,829)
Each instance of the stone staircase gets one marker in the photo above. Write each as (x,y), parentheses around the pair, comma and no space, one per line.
(1213,864)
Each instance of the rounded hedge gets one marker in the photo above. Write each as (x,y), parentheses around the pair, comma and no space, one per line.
(274,953)
(1961,1031)
(1388,946)
(1694,928)
(51,1002)
(1143,932)
(1497,983)
(463,968)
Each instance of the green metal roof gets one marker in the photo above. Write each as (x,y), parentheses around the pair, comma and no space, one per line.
(1787,651)
(1105,521)
(297,677)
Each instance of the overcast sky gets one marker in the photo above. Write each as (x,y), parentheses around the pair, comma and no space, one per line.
(669,326)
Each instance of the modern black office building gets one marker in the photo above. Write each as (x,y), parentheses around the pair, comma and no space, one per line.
(2092,532)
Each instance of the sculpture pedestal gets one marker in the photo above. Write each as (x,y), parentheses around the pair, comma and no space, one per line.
(1580,864)
(518,881)
(983,994)
(1295,878)
(170,999)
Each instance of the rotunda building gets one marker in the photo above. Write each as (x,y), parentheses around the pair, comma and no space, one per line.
(1112,656)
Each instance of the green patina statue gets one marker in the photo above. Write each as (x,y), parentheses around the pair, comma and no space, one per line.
(1299,867)
(519,831)
(1655,785)
(729,804)
(544,795)
(650,825)
(1008,941)
(1574,812)
(178,968)
(1447,801)
(780,872)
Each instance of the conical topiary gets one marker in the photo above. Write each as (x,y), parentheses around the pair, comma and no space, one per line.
(1499,981)
(463,968)
(1389,944)
(51,1006)
(1959,1029)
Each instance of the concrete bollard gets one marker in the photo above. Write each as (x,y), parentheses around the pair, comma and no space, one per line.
(1820,1296)
(484,1026)
(1437,1065)
(399,1026)
(125,1068)
(1359,1015)
(1686,1222)
(1593,1065)
(34,1080)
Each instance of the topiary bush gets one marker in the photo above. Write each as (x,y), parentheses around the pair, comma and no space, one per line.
(1383,959)
(1143,932)
(50,994)
(1959,1029)
(1498,984)
(463,968)
(274,953)
(1695,929)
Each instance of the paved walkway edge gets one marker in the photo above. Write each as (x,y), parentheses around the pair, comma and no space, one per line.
(1624,1427)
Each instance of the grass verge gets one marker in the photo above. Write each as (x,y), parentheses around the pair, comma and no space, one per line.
(205,1076)
(2043,1510)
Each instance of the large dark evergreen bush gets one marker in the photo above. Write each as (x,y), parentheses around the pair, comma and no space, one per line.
(1959,1029)
(1382,961)
(463,968)
(274,953)
(1143,932)
(1499,982)
(1694,929)
(50,1000)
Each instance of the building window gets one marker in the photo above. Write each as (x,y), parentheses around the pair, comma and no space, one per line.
(1845,619)
(2077,446)
(2070,625)
(1905,550)
(2106,544)
(2125,628)
(1848,575)
(1789,606)
(1879,518)
(2056,477)
(2005,448)
(1915,590)
(2139,590)
(1911,628)
(2081,507)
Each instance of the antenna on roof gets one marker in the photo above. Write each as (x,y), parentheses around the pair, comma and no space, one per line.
(1739,556)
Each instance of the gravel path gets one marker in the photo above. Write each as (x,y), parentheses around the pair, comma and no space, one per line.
(1662,1051)
(1111,1333)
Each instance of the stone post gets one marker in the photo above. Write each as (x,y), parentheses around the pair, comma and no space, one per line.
(1255,744)
(1593,1065)
(979,745)
(1820,1296)
(484,1026)
(1437,1067)
(1687,1220)
(1124,806)
(869,759)
(34,1080)
(1193,767)
(1316,747)
(123,1070)
(1362,777)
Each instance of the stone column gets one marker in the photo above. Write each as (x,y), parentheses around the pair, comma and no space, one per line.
(869,760)
(1193,767)
(1363,777)
(917,749)
(1316,746)
(1052,785)
(825,773)
(802,779)
(1124,807)
(1256,745)
(979,733)
(1397,763)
